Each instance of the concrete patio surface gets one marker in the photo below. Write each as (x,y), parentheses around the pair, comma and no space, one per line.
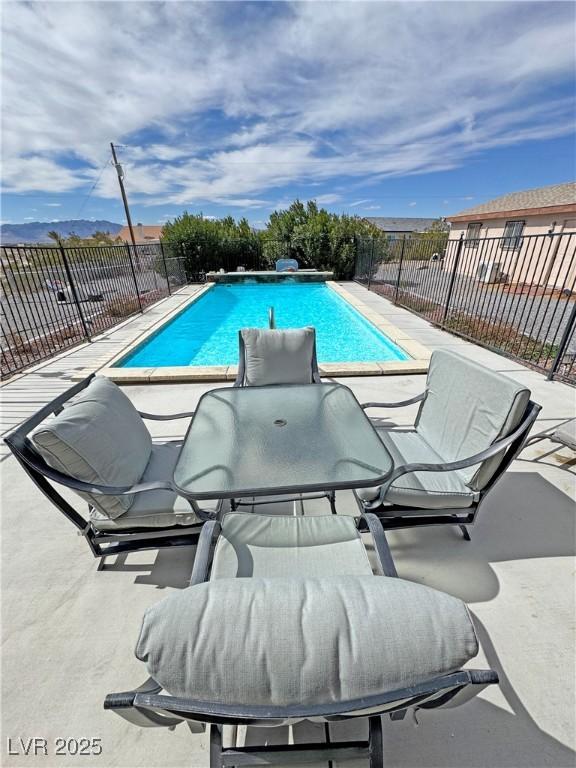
(69,631)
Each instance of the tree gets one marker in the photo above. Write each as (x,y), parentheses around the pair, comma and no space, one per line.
(211,244)
(438,229)
(53,235)
(102,238)
(316,238)
(434,240)
(311,235)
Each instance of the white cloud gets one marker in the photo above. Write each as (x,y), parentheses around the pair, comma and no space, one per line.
(222,110)
(53,205)
(372,207)
(36,174)
(359,202)
(412,204)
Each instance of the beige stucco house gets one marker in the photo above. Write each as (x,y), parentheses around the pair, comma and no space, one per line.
(523,237)
(143,233)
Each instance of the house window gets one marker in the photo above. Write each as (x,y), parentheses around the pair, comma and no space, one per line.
(513,234)
(473,235)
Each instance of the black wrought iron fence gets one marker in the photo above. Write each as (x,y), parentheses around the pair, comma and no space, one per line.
(55,297)
(514,295)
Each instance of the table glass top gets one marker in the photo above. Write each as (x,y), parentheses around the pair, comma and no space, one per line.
(279,439)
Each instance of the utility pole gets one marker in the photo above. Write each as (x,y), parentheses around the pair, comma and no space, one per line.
(120,173)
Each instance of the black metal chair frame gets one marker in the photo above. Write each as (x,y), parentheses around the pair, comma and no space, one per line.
(147,707)
(239,382)
(101,543)
(400,516)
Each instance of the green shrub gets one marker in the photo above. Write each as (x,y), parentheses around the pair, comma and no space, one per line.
(211,244)
(315,238)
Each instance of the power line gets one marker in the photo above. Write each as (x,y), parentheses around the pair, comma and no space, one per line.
(92,188)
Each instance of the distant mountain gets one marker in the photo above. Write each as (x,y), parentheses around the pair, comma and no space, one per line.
(37,231)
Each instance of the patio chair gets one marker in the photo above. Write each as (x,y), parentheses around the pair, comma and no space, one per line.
(564,434)
(286,622)
(471,425)
(92,440)
(286,265)
(272,356)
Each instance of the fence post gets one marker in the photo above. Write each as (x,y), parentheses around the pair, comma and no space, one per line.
(165,268)
(371,263)
(399,269)
(134,276)
(563,343)
(74,292)
(453,277)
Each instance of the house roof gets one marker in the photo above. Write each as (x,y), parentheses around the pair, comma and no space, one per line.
(557,198)
(393,224)
(143,233)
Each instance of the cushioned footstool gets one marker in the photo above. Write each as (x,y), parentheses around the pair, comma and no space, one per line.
(287,621)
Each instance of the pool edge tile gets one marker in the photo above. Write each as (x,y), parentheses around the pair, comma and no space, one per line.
(403,367)
(417,363)
(350,369)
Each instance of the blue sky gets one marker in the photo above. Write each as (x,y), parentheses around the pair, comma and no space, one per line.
(374,108)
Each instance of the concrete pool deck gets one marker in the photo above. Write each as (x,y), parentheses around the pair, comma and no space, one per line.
(69,631)
(418,360)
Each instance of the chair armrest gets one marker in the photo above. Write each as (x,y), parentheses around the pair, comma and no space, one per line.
(166,417)
(123,704)
(98,490)
(470,461)
(210,531)
(411,401)
(380,543)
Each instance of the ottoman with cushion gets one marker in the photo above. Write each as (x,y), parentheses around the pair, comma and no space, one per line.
(286,622)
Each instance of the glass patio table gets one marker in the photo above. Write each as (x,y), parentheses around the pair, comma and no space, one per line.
(274,440)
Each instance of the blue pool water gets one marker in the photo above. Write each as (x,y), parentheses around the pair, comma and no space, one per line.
(207,332)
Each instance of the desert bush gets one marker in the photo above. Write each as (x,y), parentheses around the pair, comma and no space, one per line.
(503,337)
(123,307)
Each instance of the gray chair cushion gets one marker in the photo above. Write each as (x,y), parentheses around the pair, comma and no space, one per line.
(467,408)
(154,509)
(301,641)
(566,434)
(423,490)
(263,545)
(99,438)
(278,357)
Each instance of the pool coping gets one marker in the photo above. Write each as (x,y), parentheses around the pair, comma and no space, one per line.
(418,362)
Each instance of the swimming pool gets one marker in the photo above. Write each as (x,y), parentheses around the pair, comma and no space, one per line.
(206,332)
